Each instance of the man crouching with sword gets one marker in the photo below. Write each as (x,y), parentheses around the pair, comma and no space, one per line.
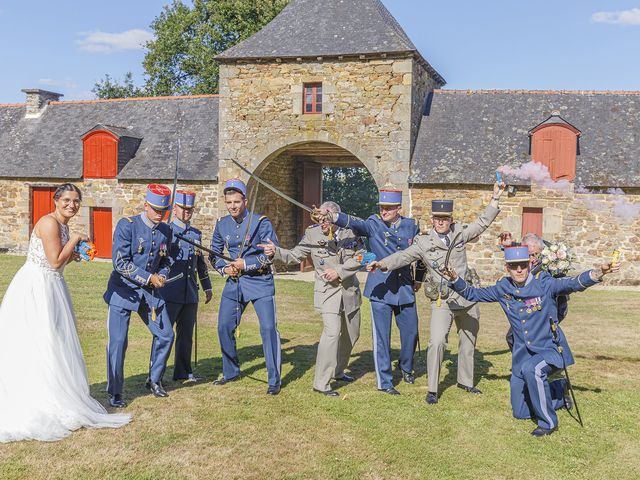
(540,347)
(249,280)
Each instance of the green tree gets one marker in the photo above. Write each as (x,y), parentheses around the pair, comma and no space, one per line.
(109,88)
(180,60)
(352,188)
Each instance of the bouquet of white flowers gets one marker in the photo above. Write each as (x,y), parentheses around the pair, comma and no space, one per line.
(556,259)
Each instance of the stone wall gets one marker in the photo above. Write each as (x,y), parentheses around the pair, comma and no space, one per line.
(124,198)
(285,174)
(367,109)
(587,224)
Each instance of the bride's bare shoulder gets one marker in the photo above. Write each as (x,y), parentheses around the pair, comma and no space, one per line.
(47,226)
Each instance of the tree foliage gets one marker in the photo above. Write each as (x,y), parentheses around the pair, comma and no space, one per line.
(181,58)
(109,88)
(352,188)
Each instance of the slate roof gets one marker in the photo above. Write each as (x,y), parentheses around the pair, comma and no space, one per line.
(51,146)
(465,135)
(328,28)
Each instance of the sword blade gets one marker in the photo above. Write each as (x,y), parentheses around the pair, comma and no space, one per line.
(175,184)
(173,279)
(273,189)
(201,247)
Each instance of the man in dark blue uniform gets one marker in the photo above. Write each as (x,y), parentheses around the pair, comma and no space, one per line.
(540,347)
(140,266)
(249,280)
(390,293)
(181,296)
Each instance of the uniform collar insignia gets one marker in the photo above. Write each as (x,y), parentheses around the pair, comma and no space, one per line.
(180,224)
(147,222)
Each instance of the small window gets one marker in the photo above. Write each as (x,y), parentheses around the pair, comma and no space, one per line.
(312,98)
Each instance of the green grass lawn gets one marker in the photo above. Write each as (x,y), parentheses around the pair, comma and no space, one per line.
(237,431)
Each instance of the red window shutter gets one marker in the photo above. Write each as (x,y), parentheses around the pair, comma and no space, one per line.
(100,155)
(555,146)
(531,221)
(41,203)
(101,231)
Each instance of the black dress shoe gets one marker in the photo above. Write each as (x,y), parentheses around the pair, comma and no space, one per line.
(157,390)
(148,384)
(390,391)
(222,381)
(408,377)
(116,401)
(345,378)
(273,390)
(327,393)
(469,389)
(541,432)
(432,398)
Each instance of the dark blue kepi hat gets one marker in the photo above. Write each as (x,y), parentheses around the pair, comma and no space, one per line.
(442,208)
(516,254)
(235,185)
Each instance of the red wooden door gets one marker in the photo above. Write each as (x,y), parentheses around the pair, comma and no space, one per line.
(101,231)
(531,221)
(41,203)
(100,155)
(556,147)
(311,195)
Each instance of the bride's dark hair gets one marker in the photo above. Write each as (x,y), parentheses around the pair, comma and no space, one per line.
(66,187)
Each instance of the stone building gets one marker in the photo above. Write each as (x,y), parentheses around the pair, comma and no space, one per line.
(312,90)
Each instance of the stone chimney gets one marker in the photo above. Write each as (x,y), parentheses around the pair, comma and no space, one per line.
(37,100)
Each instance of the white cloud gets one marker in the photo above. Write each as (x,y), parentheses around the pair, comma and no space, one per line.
(621,17)
(57,83)
(105,42)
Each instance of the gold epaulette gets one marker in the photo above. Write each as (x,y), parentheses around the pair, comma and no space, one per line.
(538,275)
(262,217)
(130,219)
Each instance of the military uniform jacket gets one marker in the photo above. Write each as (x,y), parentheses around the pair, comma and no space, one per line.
(530,310)
(140,248)
(256,280)
(187,260)
(393,288)
(432,250)
(339,254)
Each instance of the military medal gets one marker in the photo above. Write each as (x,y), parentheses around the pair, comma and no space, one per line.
(140,245)
(163,250)
(321,261)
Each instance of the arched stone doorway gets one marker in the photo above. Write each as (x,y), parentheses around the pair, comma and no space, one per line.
(296,170)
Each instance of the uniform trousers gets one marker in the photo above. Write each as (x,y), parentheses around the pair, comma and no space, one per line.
(407,321)
(184,317)
(118,326)
(229,316)
(533,396)
(467,325)
(339,334)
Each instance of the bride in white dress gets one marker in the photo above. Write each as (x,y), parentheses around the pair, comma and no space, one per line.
(44,390)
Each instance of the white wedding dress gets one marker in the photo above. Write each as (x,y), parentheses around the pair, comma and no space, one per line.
(44,390)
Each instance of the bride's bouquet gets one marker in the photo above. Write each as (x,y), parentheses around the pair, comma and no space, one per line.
(556,259)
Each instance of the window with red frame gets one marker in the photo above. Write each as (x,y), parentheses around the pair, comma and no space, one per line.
(312,98)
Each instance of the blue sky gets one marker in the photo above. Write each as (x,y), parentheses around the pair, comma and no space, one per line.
(65,46)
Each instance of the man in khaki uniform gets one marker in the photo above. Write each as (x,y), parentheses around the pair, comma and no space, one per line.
(334,253)
(446,305)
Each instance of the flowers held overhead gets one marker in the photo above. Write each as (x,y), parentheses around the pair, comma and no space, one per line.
(556,258)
